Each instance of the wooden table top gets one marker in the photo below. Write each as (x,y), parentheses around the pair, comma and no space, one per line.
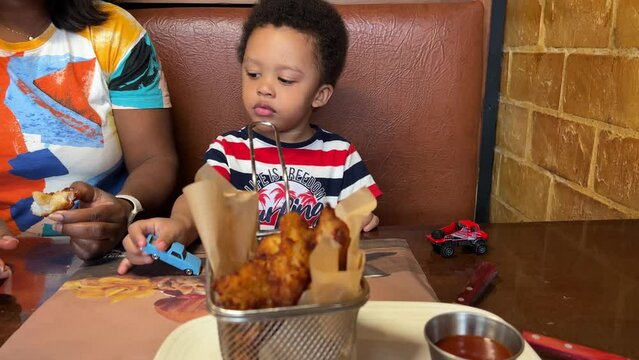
(577,281)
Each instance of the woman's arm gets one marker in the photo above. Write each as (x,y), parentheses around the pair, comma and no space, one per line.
(149,154)
(150,157)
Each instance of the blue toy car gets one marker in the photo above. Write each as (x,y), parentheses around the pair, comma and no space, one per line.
(176,256)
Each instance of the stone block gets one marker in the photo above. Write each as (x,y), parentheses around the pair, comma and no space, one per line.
(626,33)
(523,188)
(569,204)
(522,22)
(562,147)
(603,88)
(499,213)
(512,126)
(577,23)
(536,78)
(617,169)
(503,86)
(494,186)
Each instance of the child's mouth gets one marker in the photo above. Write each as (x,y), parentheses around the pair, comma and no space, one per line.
(263,110)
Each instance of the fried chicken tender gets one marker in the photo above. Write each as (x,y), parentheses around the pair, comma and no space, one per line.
(336,229)
(279,272)
(46,203)
(270,245)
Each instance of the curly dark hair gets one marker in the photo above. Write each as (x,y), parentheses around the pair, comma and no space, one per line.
(75,15)
(316,18)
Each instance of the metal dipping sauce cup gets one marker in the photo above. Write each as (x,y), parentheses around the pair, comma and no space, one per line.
(466,323)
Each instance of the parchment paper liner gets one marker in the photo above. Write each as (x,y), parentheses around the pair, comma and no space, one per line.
(226,220)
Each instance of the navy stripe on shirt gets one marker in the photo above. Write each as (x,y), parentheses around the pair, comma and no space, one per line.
(319,135)
(215,155)
(354,173)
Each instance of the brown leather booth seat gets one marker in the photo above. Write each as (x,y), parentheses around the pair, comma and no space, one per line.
(409,99)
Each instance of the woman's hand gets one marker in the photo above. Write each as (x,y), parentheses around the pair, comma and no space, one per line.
(99,223)
(7,242)
(167,231)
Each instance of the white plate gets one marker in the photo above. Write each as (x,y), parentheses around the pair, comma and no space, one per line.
(385,330)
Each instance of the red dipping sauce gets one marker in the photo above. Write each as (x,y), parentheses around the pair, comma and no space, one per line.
(474,347)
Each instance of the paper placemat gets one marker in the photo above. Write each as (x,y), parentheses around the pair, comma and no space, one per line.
(131,315)
(406,282)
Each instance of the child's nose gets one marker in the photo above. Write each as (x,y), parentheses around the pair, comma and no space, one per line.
(265,88)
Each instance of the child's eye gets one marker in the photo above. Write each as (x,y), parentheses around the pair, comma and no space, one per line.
(252,75)
(286,81)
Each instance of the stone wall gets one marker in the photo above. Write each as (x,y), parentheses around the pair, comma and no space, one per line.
(568,129)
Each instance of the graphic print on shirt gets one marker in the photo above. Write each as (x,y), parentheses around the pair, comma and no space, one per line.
(52,101)
(48,103)
(141,69)
(305,193)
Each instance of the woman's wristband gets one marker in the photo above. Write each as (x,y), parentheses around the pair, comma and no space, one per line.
(137,206)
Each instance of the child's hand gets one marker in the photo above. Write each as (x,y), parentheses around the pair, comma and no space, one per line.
(167,231)
(370,222)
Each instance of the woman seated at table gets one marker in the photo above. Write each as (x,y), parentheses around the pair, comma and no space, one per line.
(83,103)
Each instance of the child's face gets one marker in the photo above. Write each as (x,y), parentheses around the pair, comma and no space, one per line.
(281,81)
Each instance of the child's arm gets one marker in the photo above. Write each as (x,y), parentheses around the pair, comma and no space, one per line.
(179,227)
(370,222)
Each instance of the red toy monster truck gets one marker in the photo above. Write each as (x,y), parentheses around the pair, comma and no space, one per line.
(460,233)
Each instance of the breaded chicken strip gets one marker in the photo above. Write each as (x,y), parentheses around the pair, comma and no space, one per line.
(279,272)
(277,275)
(46,203)
(335,228)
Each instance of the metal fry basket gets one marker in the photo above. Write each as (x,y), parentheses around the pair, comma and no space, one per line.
(294,332)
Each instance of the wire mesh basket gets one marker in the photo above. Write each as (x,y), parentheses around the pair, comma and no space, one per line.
(292,332)
(303,332)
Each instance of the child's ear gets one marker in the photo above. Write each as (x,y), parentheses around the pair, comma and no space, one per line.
(322,95)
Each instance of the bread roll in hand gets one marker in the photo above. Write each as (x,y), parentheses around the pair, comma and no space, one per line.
(47,203)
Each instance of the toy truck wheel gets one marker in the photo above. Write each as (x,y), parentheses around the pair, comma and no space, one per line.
(155,256)
(480,247)
(437,234)
(446,251)
(188,272)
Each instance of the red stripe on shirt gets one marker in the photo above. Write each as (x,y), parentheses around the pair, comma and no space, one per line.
(269,154)
(375,190)
(223,171)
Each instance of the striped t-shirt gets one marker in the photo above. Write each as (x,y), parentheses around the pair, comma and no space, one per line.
(321,170)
